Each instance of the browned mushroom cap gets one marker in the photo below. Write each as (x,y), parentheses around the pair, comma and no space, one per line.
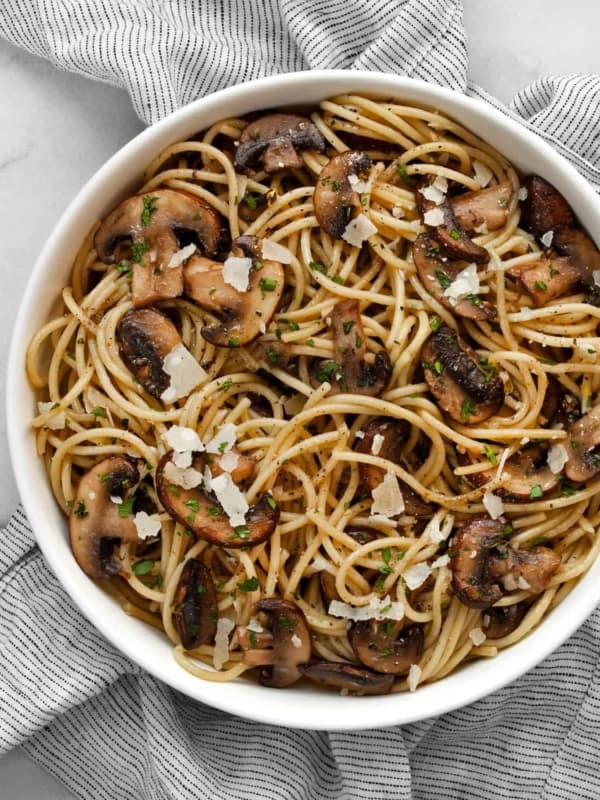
(147,337)
(346,676)
(487,207)
(544,208)
(386,646)
(283,648)
(275,140)
(393,434)
(252,205)
(243,314)
(334,197)
(454,374)
(471,546)
(195,610)
(548,278)
(153,223)
(583,447)
(95,524)
(451,237)
(202,514)
(350,372)
(503,620)
(529,476)
(527,569)
(560,406)
(583,255)
(436,273)
(272,351)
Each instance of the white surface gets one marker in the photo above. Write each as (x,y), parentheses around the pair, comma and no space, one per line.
(56,129)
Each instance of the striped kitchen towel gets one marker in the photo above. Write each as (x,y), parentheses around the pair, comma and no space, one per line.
(82,710)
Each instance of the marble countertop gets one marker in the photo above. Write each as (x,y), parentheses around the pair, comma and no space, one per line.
(56,129)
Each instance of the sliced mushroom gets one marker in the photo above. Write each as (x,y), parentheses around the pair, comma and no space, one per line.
(275,140)
(153,223)
(283,648)
(583,447)
(486,207)
(348,677)
(392,433)
(272,351)
(503,620)
(147,337)
(454,374)
(386,646)
(560,406)
(195,610)
(436,273)
(252,205)
(243,314)
(547,279)
(95,524)
(350,371)
(583,255)
(529,476)
(524,569)
(544,208)
(471,547)
(334,198)
(451,237)
(202,514)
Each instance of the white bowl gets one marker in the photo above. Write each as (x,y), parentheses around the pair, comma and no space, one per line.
(305,706)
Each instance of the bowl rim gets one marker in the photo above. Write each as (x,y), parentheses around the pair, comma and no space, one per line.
(471,682)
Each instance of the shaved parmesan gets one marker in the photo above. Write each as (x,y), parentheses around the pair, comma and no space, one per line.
(465,284)
(359,435)
(483,228)
(273,251)
(58,421)
(434,217)
(358,230)
(397,212)
(547,238)
(483,174)
(221,651)
(477,636)
(236,272)
(357,185)
(186,478)
(224,440)
(320,564)
(377,609)
(433,194)
(522,193)
(442,561)
(183,439)
(414,676)
(182,460)
(522,583)
(436,533)
(387,497)
(596,277)
(254,625)
(146,525)
(493,504)
(185,373)
(378,441)
(509,583)
(231,499)
(229,461)
(557,458)
(116,499)
(182,255)
(296,640)
(416,575)
(441,183)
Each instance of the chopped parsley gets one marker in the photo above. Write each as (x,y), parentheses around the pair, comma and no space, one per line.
(139,249)
(467,410)
(143,567)
(80,509)
(232,342)
(149,209)
(454,234)
(541,285)
(267,284)
(286,622)
(126,508)
(271,502)
(223,387)
(435,324)
(193,504)
(317,267)
(403,173)
(201,589)
(251,585)
(490,454)
(123,268)
(347,326)
(215,511)
(241,532)
(99,412)
(536,491)
(443,280)
(222,447)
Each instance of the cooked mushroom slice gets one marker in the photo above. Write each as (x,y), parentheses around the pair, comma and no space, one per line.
(454,374)
(503,620)
(348,677)
(202,514)
(583,447)
(524,569)
(471,546)
(147,337)
(281,649)
(560,406)
(445,228)
(392,435)
(243,314)
(334,197)
(544,208)
(530,477)
(580,250)
(275,140)
(252,205)
(195,609)
(272,351)
(95,524)
(386,646)
(486,207)
(436,273)
(350,372)
(153,223)
(548,278)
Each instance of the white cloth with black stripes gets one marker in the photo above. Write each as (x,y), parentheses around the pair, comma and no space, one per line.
(82,710)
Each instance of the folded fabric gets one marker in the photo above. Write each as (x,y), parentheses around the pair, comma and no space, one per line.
(81,709)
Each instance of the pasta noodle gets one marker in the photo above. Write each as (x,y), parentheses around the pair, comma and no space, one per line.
(309,436)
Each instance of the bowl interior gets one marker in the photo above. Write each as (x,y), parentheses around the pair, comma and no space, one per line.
(302,706)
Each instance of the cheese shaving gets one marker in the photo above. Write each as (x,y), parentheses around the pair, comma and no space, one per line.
(378,441)
(387,497)
(229,461)
(442,561)
(223,440)
(186,478)
(273,251)
(477,636)
(183,440)
(557,458)
(416,575)
(358,230)
(413,678)
(221,651)
(465,284)
(547,238)
(377,609)
(146,525)
(596,277)
(185,373)
(254,625)
(182,255)
(236,272)
(437,531)
(231,499)
(58,421)
(483,174)
(434,217)
(362,187)
(493,504)
(522,194)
